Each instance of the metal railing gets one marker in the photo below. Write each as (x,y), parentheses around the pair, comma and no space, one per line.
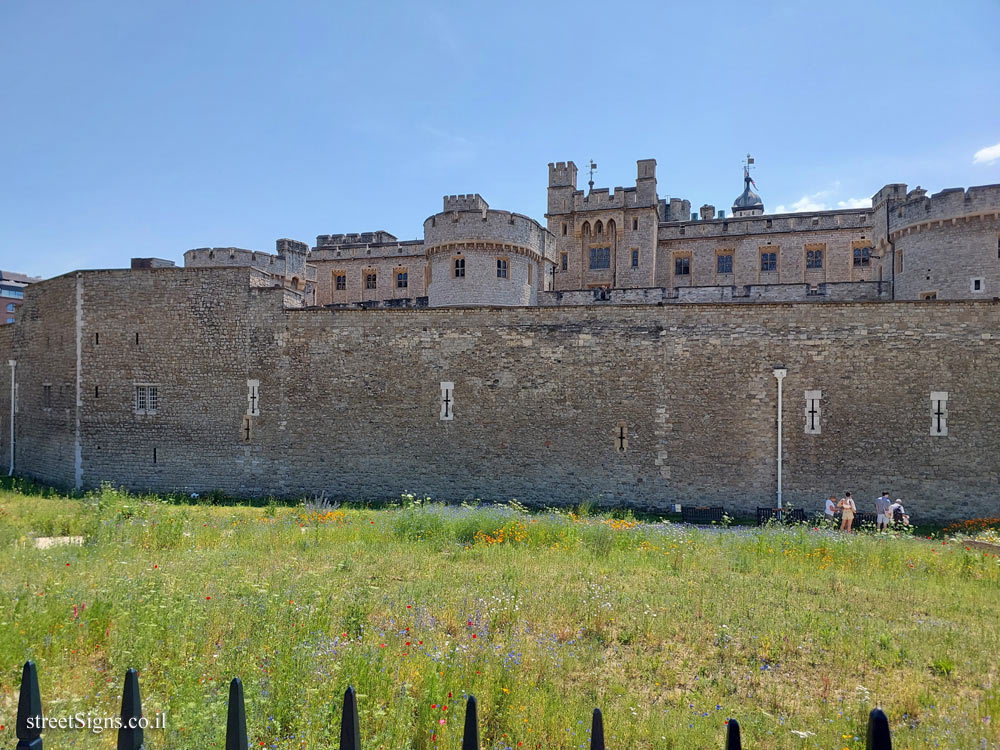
(130,733)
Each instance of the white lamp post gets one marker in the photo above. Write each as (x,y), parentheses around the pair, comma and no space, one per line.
(779,373)
(13,368)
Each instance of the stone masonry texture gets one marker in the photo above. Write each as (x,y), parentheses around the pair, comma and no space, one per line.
(350,399)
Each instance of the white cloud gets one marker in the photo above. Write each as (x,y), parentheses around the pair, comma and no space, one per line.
(818,202)
(855,203)
(987,155)
(805,203)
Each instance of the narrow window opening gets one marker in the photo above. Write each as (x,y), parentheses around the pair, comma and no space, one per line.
(97,391)
(813,412)
(154,455)
(447,401)
(97,339)
(621,437)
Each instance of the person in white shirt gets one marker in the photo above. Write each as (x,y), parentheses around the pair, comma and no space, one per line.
(831,508)
(896,510)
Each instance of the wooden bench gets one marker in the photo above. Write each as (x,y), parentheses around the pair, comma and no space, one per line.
(702,514)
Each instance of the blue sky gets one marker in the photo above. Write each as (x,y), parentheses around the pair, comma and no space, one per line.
(149,128)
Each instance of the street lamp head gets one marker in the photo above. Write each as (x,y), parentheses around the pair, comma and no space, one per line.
(779,372)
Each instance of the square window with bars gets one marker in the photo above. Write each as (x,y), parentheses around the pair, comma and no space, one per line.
(600,258)
(501,268)
(401,280)
(862,256)
(768,262)
(459,268)
(340,282)
(814,258)
(371,281)
(724,263)
(682,266)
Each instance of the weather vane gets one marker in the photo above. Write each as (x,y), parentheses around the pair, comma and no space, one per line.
(747,165)
(593,166)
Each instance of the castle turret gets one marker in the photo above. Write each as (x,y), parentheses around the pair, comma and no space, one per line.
(645,182)
(478,256)
(562,185)
(942,246)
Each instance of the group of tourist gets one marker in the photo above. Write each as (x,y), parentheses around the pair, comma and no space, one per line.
(887,512)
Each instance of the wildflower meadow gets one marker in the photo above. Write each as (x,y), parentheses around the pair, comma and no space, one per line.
(797,632)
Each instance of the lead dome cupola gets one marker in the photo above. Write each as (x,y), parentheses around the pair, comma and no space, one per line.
(748,203)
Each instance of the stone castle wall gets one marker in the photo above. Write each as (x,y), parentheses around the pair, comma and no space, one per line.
(350,400)
(847,291)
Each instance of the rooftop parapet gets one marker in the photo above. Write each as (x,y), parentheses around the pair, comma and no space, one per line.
(502,227)
(894,191)
(470,202)
(850,218)
(951,203)
(562,174)
(286,245)
(357,238)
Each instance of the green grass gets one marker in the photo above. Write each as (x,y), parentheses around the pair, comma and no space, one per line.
(542,617)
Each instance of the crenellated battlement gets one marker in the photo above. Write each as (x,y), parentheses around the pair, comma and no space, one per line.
(286,245)
(380,237)
(952,203)
(565,198)
(470,202)
(852,218)
(562,174)
(501,227)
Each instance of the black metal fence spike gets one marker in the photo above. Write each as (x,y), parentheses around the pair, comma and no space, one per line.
(236,718)
(350,727)
(597,731)
(733,735)
(470,736)
(878,737)
(130,733)
(29,705)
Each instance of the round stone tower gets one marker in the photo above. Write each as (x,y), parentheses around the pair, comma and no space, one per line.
(476,256)
(946,246)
